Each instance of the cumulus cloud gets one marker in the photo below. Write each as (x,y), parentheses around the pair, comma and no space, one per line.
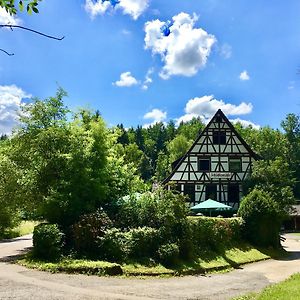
(134,8)
(156,115)
(206,106)
(148,79)
(10,102)
(126,80)
(185,50)
(245,123)
(6,18)
(244,76)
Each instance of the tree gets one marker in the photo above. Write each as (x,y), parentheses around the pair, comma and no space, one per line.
(263,217)
(178,147)
(291,126)
(275,178)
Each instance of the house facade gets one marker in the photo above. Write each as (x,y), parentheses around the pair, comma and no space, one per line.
(215,166)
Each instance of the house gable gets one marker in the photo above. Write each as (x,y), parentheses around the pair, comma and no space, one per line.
(219,156)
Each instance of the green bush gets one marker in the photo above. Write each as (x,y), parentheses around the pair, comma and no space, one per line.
(168,254)
(142,242)
(8,220)
(262,218)
(112,245)
(214,233)
(86,232)
(161,209)
(47,242)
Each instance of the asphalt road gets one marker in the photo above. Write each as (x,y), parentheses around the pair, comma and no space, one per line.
(17,282)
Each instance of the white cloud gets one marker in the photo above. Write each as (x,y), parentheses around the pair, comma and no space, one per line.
(134,8)
(10,102)
(6,18)
(206,106)
(148,79)
(245,123)
(244,76)
(126,80)
(185,50)
(96,8)
(156,115)
(225,51)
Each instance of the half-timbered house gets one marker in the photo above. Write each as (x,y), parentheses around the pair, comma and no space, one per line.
(215,166)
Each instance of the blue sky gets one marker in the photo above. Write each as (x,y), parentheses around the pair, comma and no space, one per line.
(233,55)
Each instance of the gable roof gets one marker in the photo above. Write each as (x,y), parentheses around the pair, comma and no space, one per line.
(219,112)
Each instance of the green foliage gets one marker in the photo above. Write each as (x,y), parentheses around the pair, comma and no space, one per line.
(47,242)
(12,7)
(112,245)
(168,254)
(8,220)
(263,217)
(160,209)
(276,178)
(74,266)
(87,230)
(142,242)
(178,147)
(9,194)
(214,233)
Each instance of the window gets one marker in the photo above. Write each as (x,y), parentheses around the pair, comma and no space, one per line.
(189,190)
(233,193)
(204,164)
(219,137)
(211,192)
(235,165)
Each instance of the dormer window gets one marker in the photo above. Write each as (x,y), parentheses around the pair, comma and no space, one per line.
(219,137)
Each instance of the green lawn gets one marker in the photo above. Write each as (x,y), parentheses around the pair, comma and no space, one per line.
(286,290)
(207,262)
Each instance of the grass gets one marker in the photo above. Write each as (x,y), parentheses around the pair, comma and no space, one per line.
(207,262)
(74,266)
(287,290)
(25,227)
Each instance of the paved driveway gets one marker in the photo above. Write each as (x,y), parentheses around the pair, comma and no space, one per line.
(17,282)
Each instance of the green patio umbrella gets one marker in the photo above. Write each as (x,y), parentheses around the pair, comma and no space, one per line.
(210,205)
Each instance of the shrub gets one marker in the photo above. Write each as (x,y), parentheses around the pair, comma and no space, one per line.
(142,242)
(168,254)
(86,232)
(112,245)
(262,218)
(47,242)
(214,233)
(8,220)
(161,210)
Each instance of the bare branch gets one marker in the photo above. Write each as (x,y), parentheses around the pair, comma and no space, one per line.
(10,54)
(31,30)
